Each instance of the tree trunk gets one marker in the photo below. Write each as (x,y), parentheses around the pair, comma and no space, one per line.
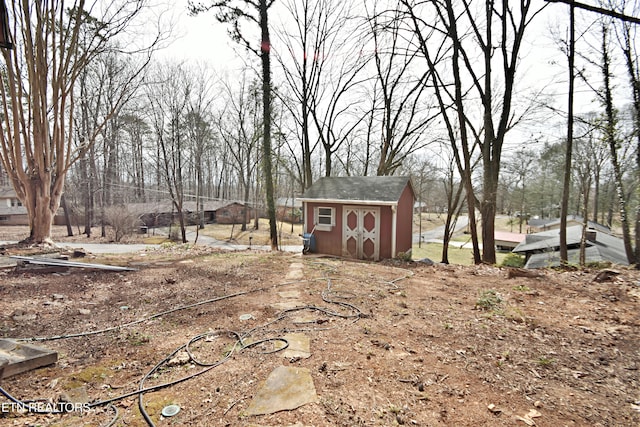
(634,82)
(265,47)
(67,217)
(564,206)
(610,135)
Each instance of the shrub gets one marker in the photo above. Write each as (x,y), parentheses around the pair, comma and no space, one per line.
(513,260)
(123,222)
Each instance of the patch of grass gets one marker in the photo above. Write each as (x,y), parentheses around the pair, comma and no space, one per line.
(489,300)
(521,288)
(153,407)
(545,361)
(404,256)
(458,256)
(88,375)
(136,338)
(251,235)
(155,240)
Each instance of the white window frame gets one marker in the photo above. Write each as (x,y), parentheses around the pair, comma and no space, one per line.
(324,226)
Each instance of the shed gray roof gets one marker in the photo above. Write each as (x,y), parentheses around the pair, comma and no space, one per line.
(386,189)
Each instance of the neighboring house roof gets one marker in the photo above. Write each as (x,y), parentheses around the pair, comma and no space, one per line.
(552,259)
(7,193)
(544,247)
(506,236)
(555,222)
(166,206)
(287,202)
(354,189)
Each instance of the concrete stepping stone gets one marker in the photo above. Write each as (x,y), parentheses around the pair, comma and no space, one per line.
(295,271)
(286,305)
(293,294)
(286,388)
(299,346)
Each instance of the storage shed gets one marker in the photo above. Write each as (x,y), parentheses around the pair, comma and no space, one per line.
(367,217)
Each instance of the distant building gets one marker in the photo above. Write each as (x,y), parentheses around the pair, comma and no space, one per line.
(537,225)
(11,210)
(543,249)
(162,213)
(289,210)
(506,241)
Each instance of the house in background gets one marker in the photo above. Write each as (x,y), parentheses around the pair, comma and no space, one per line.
(506,241)
(289,210)
(543,249)
(11,210)
(162,213)
(360,217)
(537,225)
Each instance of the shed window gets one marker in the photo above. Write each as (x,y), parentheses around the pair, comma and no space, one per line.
(325,218)
(4,218)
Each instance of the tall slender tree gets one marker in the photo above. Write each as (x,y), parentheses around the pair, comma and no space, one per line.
(237,12)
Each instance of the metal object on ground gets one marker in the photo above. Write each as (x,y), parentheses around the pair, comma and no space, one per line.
(62,263)
(170,410)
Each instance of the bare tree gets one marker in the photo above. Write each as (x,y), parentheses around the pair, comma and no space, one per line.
(451,104)
(54,43)
(611,137)
(401,86)
(495,31)
(309,35)
(627,42)
(239,127)
(521,165)
(235,12)
(168,99)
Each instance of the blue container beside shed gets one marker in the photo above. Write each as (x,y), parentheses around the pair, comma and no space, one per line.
(309,243)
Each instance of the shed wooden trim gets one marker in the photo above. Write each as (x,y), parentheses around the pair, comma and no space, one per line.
(350,202)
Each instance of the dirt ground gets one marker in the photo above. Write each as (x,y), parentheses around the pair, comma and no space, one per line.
(391,343)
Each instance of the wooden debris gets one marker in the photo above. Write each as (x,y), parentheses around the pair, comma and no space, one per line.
(522,272)
(526,420)
(605,275)
(493,408)
(529,418)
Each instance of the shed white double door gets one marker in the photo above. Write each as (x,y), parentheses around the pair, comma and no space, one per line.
(361,232)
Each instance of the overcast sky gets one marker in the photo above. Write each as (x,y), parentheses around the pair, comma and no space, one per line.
(202,38)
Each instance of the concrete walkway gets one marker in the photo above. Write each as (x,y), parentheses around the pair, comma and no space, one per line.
(437,234)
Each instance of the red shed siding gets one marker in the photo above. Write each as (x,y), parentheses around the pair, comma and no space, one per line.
(404,226)
(327,242)
(386,222)
(330,242)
